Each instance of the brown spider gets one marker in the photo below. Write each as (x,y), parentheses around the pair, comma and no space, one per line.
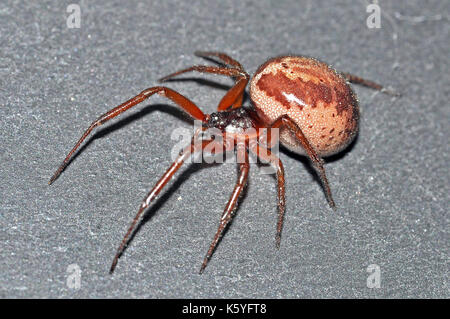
(310,103)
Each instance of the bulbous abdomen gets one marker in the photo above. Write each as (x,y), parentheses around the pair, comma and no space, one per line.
(312,94)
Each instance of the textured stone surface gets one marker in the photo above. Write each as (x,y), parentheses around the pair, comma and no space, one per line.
(391,186)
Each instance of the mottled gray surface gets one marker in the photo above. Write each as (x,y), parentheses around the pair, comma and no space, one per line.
(391,186)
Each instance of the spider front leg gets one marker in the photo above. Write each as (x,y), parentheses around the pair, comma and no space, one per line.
(287,122)
(267,156)
(176,97)
(239,87)
(233,98)
(244,167)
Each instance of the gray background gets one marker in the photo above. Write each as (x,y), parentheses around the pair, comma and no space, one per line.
(391,186)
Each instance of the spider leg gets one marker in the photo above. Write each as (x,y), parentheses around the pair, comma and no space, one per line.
(222,56)
(266,155)
(233,72)
(239,87)
(227,215)
(234,96)
(184,154)
(287,122)
(367,83)
(176,97)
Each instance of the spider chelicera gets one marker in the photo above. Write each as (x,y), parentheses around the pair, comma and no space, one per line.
(311,104)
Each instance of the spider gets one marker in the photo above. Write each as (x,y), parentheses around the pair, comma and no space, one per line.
(310,103)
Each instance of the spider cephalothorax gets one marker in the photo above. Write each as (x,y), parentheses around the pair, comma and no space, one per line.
(310,103)
(232,121)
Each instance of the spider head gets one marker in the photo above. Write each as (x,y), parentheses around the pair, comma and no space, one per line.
(233,121)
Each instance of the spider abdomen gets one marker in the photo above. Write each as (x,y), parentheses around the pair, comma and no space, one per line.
(312,94)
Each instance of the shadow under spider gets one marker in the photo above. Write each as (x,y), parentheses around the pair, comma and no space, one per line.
(307,163)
